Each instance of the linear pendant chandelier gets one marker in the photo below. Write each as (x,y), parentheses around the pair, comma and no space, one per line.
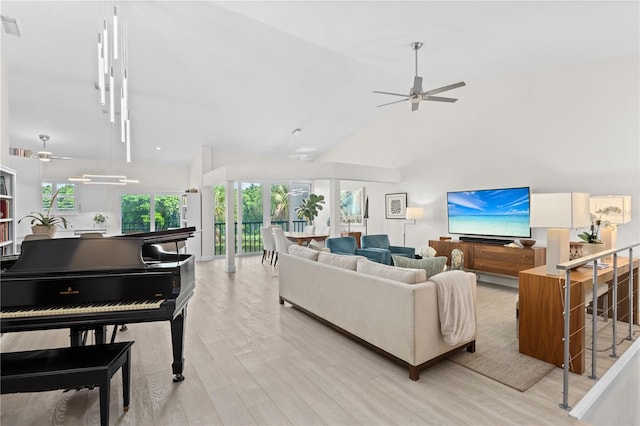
(113,73)
(103,179)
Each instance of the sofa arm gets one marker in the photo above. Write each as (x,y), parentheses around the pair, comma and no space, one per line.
(403,251)
(376,255)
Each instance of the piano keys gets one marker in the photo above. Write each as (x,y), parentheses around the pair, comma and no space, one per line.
(88,283)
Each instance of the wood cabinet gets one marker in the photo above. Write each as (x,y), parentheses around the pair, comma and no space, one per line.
(492,258)
(7,209)
(541,310)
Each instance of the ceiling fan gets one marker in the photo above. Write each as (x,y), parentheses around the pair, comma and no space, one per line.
(42,155)
(416,94)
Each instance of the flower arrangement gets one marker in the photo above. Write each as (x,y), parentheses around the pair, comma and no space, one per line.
(426,251)
(99,219)
(591,236)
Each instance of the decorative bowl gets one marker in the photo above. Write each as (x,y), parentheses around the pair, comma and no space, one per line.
(527,243)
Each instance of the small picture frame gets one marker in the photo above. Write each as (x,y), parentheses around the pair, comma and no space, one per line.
(395,205)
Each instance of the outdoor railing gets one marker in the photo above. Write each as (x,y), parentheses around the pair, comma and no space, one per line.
(567,267)
(139,226)
(251,237)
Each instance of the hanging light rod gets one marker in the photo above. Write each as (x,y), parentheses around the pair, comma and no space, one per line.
(113,74)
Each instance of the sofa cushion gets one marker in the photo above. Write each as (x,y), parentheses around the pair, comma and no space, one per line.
(303,252)
(405,275)
(339,260)
(432,265)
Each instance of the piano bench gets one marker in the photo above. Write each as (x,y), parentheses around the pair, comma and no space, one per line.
(63,368)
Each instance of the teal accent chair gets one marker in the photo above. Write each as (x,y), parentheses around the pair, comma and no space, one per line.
(381,242)
(348,245)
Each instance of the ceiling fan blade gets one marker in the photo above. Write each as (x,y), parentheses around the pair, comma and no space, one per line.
(414,106)
(389,93)
(444,88)
(395,102)
(417,85)
(439,99)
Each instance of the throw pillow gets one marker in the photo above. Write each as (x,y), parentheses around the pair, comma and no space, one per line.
(339,260)
(313,244)
(303,252)
(432,265)
(404,275)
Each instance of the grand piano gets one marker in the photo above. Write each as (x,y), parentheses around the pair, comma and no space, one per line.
(88,283)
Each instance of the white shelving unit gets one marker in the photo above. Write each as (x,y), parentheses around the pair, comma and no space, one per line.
(191,215)
(8,209)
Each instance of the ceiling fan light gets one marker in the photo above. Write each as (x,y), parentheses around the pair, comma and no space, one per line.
(44,155)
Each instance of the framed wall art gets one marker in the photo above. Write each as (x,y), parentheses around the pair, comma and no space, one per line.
(395,205)
(352,206)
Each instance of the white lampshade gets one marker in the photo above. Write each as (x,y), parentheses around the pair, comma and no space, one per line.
(414,213)
(568,210)
(623,202)
(559,212)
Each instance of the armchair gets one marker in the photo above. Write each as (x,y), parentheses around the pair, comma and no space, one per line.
(347,245)
(381,242)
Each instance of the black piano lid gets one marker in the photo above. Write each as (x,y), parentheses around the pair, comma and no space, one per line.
(69,255)
(168,236)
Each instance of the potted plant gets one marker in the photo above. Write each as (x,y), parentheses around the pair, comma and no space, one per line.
(46,223)
(99,219)
(593,244)
(309,208)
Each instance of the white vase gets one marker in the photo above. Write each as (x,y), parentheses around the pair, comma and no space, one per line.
(43,230)
(592,248)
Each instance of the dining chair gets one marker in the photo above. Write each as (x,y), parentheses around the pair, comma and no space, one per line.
(282,243)
(268,243)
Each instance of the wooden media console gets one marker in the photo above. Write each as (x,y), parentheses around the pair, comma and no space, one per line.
(492,258)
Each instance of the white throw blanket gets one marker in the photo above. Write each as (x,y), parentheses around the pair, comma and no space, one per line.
(456,306)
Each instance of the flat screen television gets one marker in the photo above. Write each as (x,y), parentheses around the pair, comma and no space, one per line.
(500,212)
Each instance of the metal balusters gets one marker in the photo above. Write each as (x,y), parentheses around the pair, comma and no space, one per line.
(630,336)
(594,320)
(565,361)
(614,307)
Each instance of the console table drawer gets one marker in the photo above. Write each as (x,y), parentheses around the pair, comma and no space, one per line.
(521,256)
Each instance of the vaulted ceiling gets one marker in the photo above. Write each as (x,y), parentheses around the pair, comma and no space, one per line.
(241,76)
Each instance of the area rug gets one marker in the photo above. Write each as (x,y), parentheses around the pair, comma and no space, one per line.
(497,355)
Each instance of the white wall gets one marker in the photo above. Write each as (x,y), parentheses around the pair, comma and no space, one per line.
(573,128)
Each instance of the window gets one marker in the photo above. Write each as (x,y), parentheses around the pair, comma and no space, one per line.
(138,209)
(65,202)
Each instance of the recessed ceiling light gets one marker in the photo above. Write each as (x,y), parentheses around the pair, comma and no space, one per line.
(10,26)
(158,148)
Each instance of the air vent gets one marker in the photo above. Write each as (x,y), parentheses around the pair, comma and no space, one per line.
(10,26)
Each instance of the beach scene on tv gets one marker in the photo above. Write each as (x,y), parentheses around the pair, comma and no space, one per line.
(494,212)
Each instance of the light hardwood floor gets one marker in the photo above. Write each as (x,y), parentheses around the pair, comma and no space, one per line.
(251,361)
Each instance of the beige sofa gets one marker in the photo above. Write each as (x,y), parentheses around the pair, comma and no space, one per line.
(399,319)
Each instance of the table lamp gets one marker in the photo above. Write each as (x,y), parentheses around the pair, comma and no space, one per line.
(413,213)
(609,234)
(559,212)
